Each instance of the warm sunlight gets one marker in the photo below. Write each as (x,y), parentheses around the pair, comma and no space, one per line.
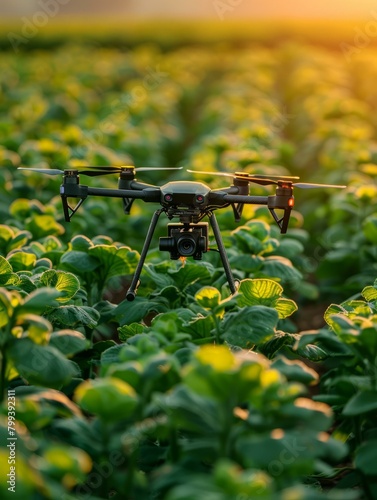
(300,8)
(215,9)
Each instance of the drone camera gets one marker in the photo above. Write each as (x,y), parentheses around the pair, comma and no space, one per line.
(186,240)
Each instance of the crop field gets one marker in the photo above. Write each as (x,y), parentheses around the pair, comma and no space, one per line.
(188,392)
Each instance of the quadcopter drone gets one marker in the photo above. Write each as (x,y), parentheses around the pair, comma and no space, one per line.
(187,201)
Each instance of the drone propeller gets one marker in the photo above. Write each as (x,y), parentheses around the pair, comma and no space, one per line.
(286,183)
(246,175)
(266,180)
(306,185)
(93,171)
(48,171)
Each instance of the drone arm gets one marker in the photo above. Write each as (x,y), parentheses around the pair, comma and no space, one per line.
(282,201)
(220,199)
(151,195)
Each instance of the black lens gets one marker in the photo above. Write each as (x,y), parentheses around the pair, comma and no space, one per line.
(186,246)
(167,244)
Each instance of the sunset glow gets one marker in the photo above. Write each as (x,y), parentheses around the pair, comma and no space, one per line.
(213,9)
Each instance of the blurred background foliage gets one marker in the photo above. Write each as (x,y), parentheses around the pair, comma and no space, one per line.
(266,97)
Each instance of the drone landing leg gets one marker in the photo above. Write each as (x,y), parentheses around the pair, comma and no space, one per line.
(131,293)
(224,258)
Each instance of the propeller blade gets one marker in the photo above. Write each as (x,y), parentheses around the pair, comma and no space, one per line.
(150,169)
(306,185)
(48,171)
(246,175)
(106,168)
(95,170)
(261,181)
(263,176)
(218,174)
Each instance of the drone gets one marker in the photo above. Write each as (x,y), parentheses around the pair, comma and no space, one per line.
(188,201)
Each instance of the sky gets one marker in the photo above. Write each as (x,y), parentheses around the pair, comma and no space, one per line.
(216,9)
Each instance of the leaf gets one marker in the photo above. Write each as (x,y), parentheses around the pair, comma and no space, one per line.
(279,267)
(79,432)
(290,248)
(280,341)
(368,342)
(331,310)
(43,225)
(250,326)
(190,273)
(200,327)
(246,242)
(111,399)
(262,292)
(41,365)
(295,370)
(325,344)
(370,228)
(80,243)
(315,415)
(369,293)
(312,352)
(366,458)
(261,451)
(208,297)
(191,411)
(267,293)
(114,261)
(258,228)
(39,300)
(285,307)
(21,261)
(133,312)
(73,316)
(64,282)
(35,327)
(171,294)
(160,276)
(7,276)
(342,324)
(51,243)
(69,342)
(357,308)
(255,291)
(78,262)
(128,371)
(362,402)
(111,355)
(42,263)
(62,461)
(6,234)
(218,357)
(246,263)
(127,331)
(49,398)
(26,284)
(6,307)
(22,208)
